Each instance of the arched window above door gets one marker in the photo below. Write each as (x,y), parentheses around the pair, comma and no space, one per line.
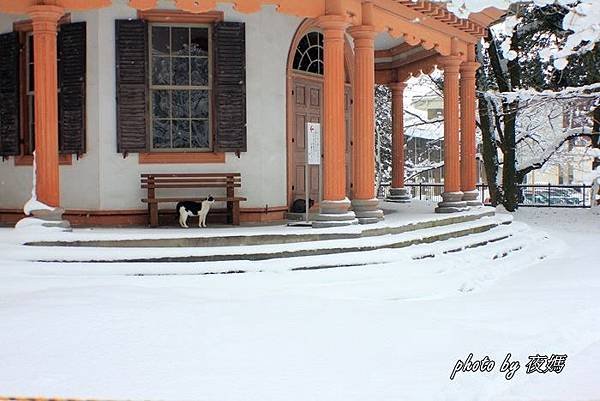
(309,54)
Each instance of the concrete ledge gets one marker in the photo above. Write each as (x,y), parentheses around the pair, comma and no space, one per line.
(367,210)
(399,195)
(335,214)
(266,239)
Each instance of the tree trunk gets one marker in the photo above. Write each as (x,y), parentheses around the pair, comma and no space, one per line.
(509,170)
(489,149)
(596,136)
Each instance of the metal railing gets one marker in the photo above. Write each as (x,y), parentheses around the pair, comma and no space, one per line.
(530,195)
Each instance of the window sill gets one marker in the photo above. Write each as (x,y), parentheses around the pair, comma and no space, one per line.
(181,158)
(27,160)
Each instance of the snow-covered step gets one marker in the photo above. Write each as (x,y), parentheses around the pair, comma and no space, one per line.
(268,251)
(248,236)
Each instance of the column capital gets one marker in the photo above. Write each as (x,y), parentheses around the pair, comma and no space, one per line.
(333,24)
(363,32)
(44,17)
(450,63)
(469,68)
(397,87)
(45,12)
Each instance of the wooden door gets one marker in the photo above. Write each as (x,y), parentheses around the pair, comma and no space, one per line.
(308,100)
(308,96)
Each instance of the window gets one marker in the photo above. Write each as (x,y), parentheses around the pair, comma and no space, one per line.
(180,87)
(29,97)
(309,54)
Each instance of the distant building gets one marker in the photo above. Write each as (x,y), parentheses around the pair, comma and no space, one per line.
(424,133)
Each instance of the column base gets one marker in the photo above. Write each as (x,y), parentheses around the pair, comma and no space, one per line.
(472,198)
(399,195)
(50,218)
(452,203)
(367,210)
(335,214)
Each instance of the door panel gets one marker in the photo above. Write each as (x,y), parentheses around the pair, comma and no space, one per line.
(308,99)
(307,109)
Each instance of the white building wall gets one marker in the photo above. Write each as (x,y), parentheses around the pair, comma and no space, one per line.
(103,180)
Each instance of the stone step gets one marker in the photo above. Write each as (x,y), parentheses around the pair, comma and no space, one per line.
(382,240)
(250,238)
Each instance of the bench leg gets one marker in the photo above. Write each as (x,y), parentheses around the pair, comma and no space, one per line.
(229,219)
(235,218)
(153,210)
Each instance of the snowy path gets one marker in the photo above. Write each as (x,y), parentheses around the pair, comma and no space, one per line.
(387,331)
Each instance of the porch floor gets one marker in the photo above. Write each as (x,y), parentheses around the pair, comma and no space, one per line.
(397,215)
(405,225)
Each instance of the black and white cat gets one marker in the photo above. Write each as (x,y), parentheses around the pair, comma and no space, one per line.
(186,209)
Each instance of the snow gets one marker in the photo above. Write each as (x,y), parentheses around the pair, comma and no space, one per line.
(582,20)
(388,330)
(395,215)
(33,203)
(31,225)
(542,131)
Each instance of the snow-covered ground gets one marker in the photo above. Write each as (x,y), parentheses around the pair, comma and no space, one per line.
(389,330)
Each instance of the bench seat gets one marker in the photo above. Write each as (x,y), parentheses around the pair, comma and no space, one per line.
(194,199)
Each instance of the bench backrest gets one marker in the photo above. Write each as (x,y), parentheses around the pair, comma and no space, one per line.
(191,180)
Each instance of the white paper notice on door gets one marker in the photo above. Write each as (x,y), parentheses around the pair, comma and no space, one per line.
(313,148)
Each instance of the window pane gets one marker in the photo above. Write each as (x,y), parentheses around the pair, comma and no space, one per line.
(30,47)
(161,70)
(181,71)
(181,133)
(180,41)
(313,53)
(303,45)
(180,104)
(200,104)
(304,63)
(199,45)
(31,81)
(200,71)
(161,132)
(297,58)
(200,134)
(161,103)
(160,41)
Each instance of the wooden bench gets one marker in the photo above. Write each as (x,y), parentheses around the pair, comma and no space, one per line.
(228,181)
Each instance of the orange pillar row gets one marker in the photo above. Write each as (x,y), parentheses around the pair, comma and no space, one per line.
(468,173)
(398,193)
(334,208)
(452,196)
(45,21)
(365,203)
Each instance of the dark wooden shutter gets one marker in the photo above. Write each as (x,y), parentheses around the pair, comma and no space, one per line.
(132,93)
(229,41)
(72,53)
(9,94)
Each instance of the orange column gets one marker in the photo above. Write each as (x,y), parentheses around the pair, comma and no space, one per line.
(468,172)
(452,196)
(335,205)
(398,193)
(365,203)
(45,20)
